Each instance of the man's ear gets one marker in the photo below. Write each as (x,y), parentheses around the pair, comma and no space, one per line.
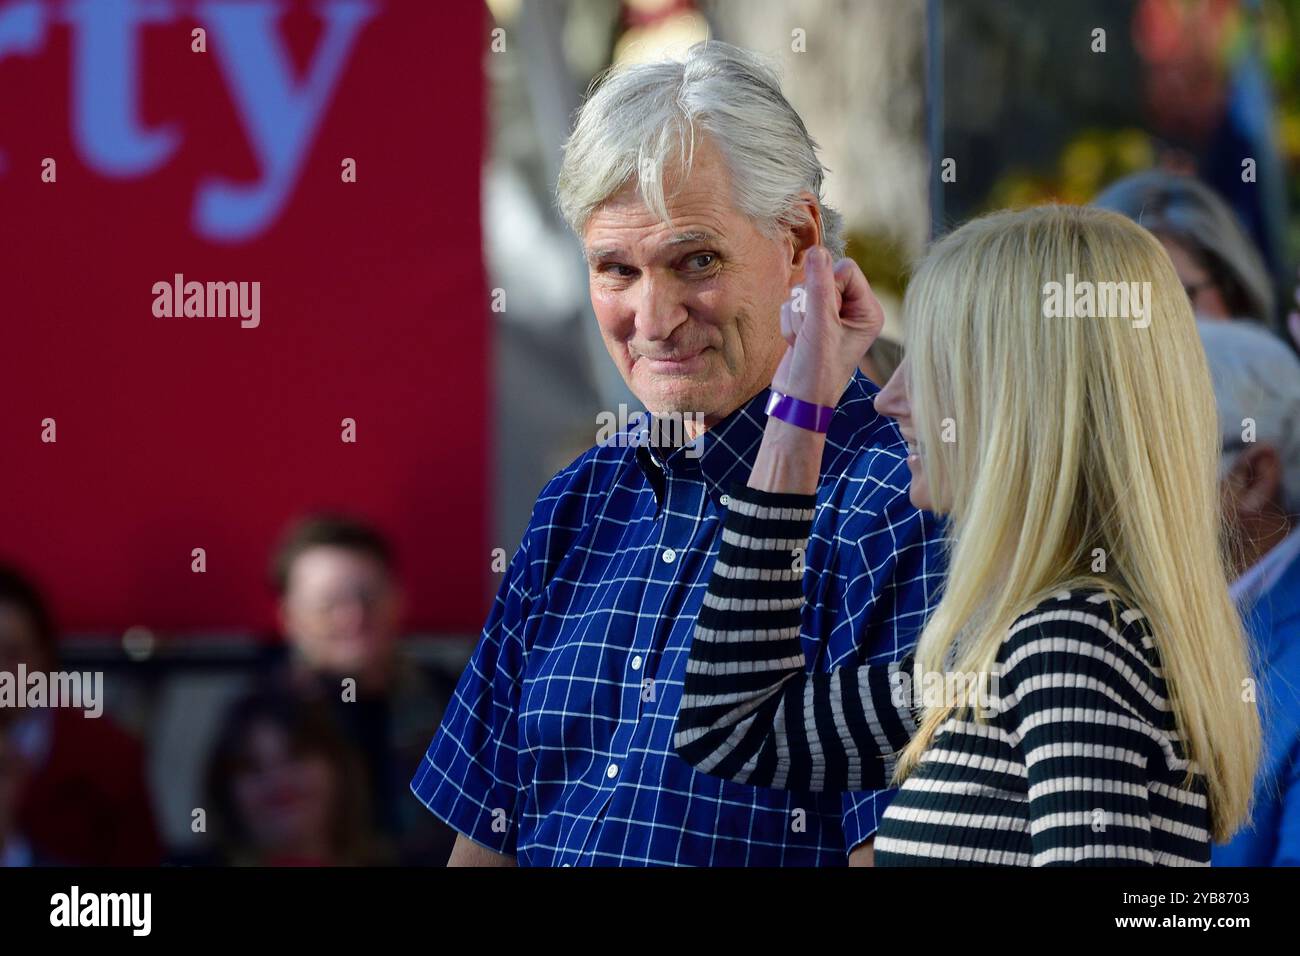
(1256,478)
(804,233)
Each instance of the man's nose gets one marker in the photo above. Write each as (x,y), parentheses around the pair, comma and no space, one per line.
(660,310)
(351,612)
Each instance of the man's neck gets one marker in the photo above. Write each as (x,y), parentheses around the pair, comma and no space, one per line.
(694,429)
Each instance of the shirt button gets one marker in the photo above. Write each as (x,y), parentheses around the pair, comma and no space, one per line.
(612,772)
(636,663)
(724,500)
(669,555)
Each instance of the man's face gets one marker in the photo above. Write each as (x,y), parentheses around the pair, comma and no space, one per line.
(341,610)
(690,310)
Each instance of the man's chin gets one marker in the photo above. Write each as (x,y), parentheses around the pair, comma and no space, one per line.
(680,394)
(684,403)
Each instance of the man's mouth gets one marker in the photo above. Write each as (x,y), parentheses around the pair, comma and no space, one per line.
(673,362)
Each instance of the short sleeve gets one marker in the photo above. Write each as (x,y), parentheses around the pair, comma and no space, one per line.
(862,813)
(469,776)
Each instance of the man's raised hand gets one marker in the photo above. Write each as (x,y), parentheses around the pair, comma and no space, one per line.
(829,323)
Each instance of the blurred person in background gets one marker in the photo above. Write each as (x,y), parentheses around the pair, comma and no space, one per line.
(696,191)
(1257,382)
(1222,271)
(286,788)
(340,610)
(84,800)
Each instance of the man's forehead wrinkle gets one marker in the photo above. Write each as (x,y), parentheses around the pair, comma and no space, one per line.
(692,235)
(685,238)
(656,236)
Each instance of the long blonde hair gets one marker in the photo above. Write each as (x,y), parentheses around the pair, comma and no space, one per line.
(1066,435)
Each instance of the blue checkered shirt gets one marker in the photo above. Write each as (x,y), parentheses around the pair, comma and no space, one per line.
(558,745)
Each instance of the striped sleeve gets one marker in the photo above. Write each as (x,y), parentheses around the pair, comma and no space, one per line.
(750,712)
(1078,698)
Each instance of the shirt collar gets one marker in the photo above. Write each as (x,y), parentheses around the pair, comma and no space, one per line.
(725,453)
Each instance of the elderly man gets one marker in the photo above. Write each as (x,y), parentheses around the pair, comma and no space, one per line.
(1257,388)
(696,191)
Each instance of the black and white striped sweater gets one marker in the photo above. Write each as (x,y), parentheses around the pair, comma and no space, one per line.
(1079,762)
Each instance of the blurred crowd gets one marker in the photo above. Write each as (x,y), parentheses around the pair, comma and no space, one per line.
(310,765)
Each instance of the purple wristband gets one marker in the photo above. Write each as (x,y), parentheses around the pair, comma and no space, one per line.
(795,411)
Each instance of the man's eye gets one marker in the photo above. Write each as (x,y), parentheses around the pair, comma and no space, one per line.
(620,271)
(700,261)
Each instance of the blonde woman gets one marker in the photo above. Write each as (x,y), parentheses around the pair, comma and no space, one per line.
(1097,713)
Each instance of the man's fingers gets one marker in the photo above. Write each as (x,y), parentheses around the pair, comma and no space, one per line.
(858,304)
(850,281)
(819,282)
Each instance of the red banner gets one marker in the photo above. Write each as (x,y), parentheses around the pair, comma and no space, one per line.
(236,235)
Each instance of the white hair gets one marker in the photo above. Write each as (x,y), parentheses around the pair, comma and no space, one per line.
(641,118)
(1257,377)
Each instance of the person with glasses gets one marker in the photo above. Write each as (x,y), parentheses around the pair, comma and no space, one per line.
(1219,266)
